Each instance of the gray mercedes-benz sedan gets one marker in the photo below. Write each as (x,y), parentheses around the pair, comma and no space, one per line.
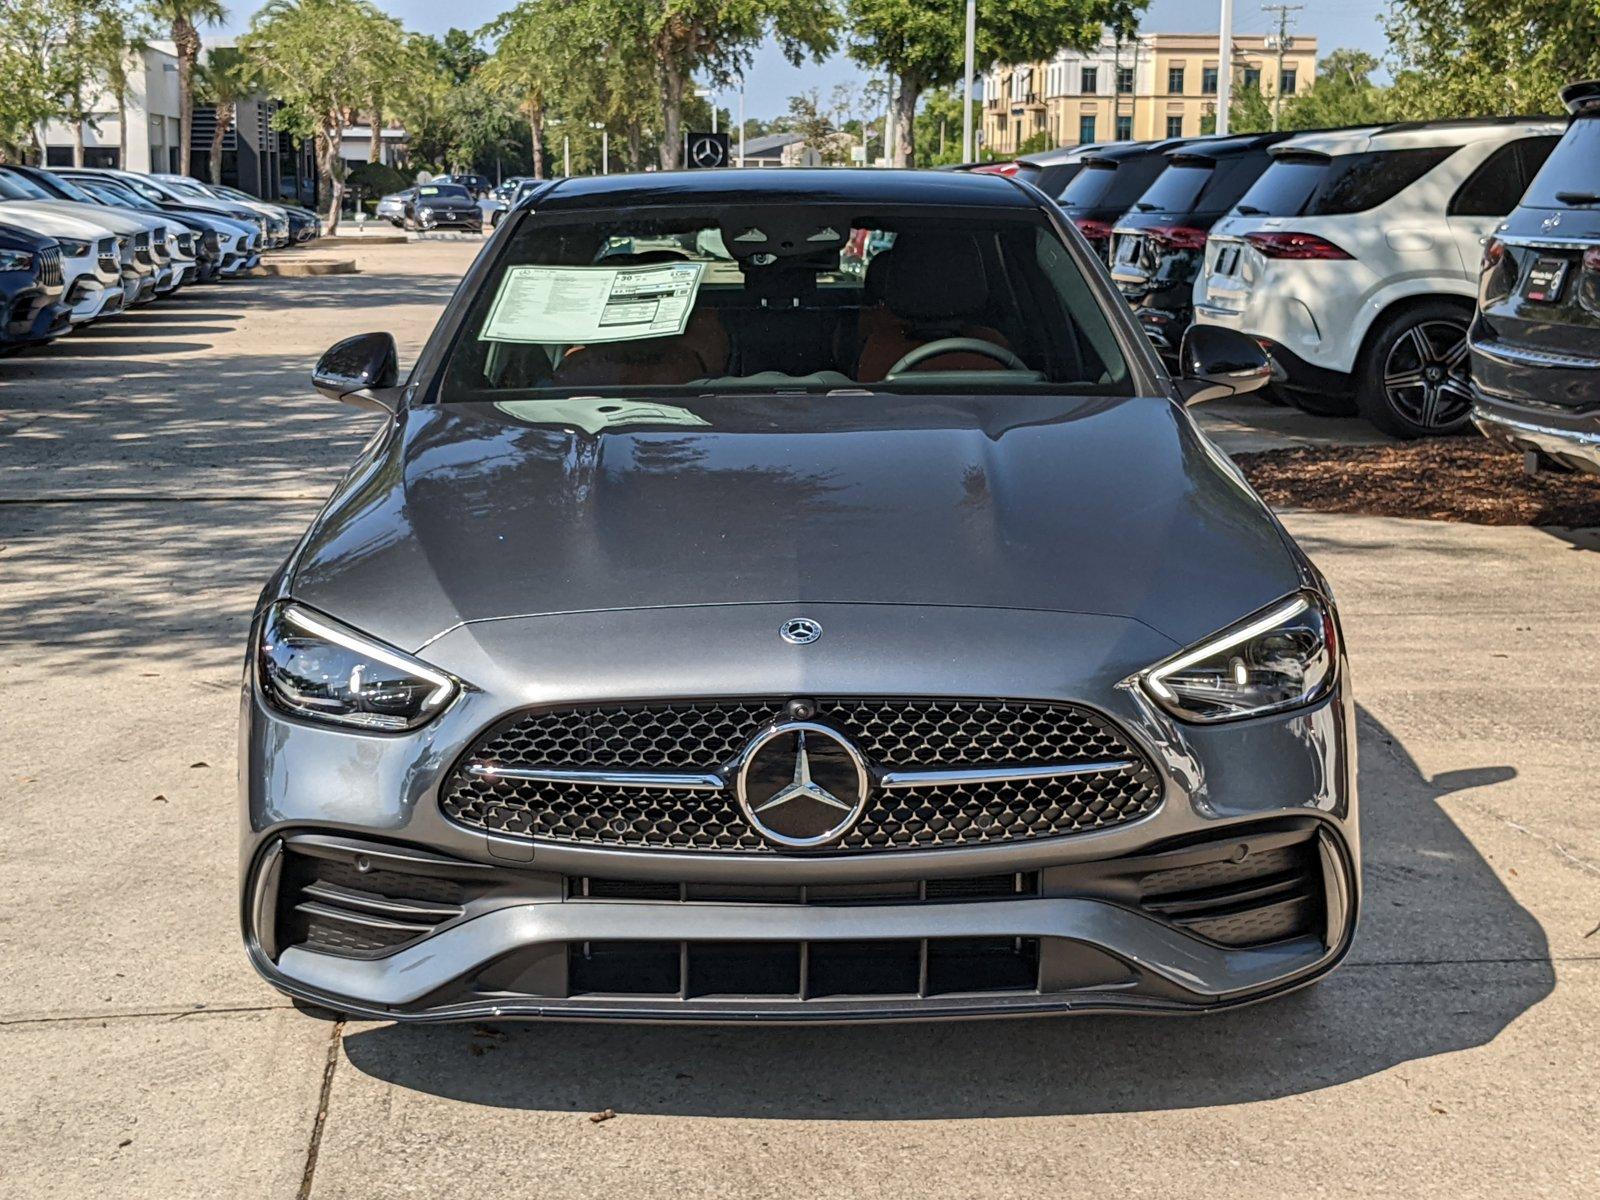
(790,596)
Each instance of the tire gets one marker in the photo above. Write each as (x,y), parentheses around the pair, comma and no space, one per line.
(1412,381)
(1321,404)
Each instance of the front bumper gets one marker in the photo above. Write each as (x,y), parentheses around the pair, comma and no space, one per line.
(545,929)
(92,299)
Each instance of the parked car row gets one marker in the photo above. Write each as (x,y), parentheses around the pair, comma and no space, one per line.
(1351,255)
(80,244)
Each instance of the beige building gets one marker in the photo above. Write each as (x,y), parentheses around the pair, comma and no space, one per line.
(1160,85)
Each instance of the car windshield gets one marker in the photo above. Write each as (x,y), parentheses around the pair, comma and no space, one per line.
(121,196)
(452,190)
(778,298)
(1316,185)
(1112,184)
(1571,175)
(20,187)
(72,191)
(184,188)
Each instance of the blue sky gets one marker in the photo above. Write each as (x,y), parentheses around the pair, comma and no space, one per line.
(772,80)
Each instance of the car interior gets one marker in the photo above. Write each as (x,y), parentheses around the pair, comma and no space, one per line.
(806,300)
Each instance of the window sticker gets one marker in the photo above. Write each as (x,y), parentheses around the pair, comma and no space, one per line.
(588,305)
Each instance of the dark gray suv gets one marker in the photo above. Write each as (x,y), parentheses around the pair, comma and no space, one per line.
(713,632)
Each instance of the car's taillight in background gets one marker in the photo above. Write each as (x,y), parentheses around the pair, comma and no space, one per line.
(1177,237)
(1589,281)
(1095,231)
(1006,168)
(1294,245)
(1498,273)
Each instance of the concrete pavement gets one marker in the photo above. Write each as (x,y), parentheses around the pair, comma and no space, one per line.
(151,474)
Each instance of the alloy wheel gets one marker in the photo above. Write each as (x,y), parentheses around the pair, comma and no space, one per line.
(1425,374)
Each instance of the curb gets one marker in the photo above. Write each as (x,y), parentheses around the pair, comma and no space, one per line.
(326,266)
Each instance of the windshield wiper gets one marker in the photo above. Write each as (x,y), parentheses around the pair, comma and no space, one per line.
(1578,197)
(1250,210)
(1145,206)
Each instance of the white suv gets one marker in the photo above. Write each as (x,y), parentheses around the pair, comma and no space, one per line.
(1354,261)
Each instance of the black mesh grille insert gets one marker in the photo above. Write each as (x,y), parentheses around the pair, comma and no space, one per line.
(892,733)
(1267,896)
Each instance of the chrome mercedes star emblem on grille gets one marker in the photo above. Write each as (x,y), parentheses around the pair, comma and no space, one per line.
(801,784)
(800,631)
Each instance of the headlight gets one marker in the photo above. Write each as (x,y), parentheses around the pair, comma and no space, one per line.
(15,260)
(75,249)
(314,668)
(1278,659)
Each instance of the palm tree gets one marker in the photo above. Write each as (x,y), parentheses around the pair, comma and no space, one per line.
(225,78)
(185,17)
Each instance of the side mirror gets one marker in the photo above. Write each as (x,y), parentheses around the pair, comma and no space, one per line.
(1216,361)
(358,370)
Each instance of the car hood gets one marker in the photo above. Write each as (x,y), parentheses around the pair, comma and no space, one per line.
(113,219)
(42,216)
(466,512)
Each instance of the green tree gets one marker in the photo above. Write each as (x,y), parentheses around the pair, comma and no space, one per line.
(1248,112)
(938,134)
(30,79)
(184,18)
(116,42)
(1343,94)
(713,40)
(921,43)
(225,78)
(318,58)
(1490,57)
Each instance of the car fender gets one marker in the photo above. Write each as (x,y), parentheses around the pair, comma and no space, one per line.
(1392,291)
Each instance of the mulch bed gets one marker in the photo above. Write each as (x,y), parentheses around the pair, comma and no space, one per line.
(1446,479)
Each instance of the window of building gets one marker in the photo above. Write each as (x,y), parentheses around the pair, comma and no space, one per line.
(1208,81)
(1175,125)
(1086,129)
(1124,129)
(1175,80)
(1252,78)
(1286,82)
(1124,81)
(1089,80)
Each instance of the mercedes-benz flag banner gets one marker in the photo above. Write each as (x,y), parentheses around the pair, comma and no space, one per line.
(706,150)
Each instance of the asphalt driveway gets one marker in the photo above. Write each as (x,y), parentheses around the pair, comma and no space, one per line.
(153,470)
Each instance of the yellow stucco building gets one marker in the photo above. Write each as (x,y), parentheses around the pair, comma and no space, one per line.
(1161,85)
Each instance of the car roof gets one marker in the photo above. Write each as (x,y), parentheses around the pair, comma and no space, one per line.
(787,185)
(1409,135)
(1117,151)
(1229,146)
(1066,154)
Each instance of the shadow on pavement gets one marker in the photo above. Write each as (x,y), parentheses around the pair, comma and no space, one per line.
(1444,961)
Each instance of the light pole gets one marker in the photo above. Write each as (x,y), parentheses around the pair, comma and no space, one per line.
(741,118)
(966,108)
(605,146)
(1225,66)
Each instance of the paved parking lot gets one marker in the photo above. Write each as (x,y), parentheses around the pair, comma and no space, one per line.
(154,470)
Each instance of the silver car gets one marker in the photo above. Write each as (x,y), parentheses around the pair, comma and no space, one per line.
(708,633)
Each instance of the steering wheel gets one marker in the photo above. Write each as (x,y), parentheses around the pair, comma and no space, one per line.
(952,345)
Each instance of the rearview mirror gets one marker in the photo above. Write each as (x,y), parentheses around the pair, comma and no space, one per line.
(1216,361)
(358,369)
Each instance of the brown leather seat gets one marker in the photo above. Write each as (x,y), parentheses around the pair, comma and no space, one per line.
(931,285)
(700,351)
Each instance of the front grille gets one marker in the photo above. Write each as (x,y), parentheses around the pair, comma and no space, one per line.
(108,260)
(804,970)
(50,267)
(905,734)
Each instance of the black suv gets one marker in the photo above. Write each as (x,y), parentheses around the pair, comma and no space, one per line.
(1536,338)
(1108,183)
(1159,244)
